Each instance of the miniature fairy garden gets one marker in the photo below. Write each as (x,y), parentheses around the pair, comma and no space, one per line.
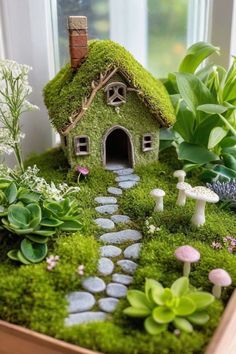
(112,257)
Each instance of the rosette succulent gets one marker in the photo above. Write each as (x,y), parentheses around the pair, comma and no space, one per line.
(180,305)
(33,219)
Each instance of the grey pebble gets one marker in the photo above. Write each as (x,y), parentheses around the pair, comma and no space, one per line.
(132,252)
(125,171)
(110,251)
(120,219)
(116,290)
(127,266)
(105,266)
(127,184)
(115,190)
(105,224)
(124,178)
(80,301)
(107,209)
(121,236)
(108,304)
(105,200)
(85,317)
(94,284)
(122,278)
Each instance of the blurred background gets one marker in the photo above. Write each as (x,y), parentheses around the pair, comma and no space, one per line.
(156,32)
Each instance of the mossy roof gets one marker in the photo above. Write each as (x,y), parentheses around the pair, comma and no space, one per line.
(64,94)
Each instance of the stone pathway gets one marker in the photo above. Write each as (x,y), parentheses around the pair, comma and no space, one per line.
(119,252)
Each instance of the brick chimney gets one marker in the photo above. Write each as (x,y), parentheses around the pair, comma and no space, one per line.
(78,39)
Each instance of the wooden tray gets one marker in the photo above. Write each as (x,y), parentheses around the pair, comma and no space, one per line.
(19,340)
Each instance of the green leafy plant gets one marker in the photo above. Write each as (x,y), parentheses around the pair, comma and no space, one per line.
(180,305)
(204,99)
(34,219)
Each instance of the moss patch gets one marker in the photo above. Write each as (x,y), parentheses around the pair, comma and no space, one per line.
(64,94)
(33,297)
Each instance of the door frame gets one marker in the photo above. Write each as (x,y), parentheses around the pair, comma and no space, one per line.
(130,151)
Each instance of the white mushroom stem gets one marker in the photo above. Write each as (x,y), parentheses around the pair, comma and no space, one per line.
(216,291)
(181,200)
(187,268)
(181,178)
(159,204)
(198,218)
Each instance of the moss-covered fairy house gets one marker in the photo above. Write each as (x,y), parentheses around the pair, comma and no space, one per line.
(106,107)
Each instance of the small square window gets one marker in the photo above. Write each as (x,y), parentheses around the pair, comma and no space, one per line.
(147,142)
(81,145)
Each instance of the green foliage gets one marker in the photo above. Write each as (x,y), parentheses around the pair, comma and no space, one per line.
(34,219)
(180,305)
(195,56)
(204,102)
(64,94)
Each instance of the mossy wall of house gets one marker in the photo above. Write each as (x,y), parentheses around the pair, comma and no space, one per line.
(100,118)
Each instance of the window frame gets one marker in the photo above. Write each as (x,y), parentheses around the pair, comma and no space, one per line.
(116,85)
(78,144)
(144,142)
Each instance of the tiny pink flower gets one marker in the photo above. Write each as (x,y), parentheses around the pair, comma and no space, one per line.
(52,262)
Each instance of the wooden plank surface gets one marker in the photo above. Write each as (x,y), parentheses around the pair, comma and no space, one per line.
(19,340)
(224,339)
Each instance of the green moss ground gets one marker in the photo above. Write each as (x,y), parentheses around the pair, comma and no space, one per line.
(33,297)
(63,95)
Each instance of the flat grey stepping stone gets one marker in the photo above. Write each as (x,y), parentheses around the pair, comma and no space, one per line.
(105,266)
(107,209)
(120,219)
(127,266)
(80,301)
(125,171)
(108,304)
(127,184)
(122,278)
(114,190)
(106,200)
(110,251)
(94,284)
(116,166)
(121,236)
(85,317)
(116,290)
(127,178)
(132,251)
(105,224)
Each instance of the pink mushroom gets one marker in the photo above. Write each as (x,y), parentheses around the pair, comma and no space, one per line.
(219,277)
(188,255)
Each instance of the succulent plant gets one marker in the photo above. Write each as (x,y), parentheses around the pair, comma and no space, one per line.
(180,305)
(64,211)
(25,213)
